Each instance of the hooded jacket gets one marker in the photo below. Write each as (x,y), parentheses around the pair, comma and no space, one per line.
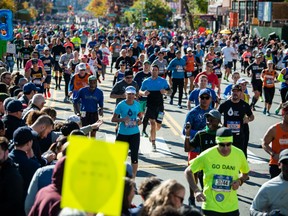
(47,202)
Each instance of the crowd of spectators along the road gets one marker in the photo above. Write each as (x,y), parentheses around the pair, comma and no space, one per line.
(148,66)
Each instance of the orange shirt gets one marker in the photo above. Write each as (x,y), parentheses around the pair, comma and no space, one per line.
(279,143)
(268,78)
(190,63)
(246,56)
(80,82)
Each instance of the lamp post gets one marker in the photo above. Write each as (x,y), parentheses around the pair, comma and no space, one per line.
(142,7)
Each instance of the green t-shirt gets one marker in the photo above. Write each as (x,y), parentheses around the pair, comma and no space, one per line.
(219,172)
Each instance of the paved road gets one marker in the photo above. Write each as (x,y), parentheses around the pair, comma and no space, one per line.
(170,159)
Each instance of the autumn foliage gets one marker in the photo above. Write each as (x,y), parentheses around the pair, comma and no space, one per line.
(97,7)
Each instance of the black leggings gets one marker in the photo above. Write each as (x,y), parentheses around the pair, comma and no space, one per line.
(67,80)
(283,93)
(269,94)
(176,82)
(134,143)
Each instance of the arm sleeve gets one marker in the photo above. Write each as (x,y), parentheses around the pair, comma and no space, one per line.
(101,99)
(171,66)
(77,97)
(227,90)
(31,193)
(71,84)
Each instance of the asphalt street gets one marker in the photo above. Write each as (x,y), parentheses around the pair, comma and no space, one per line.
(170,160)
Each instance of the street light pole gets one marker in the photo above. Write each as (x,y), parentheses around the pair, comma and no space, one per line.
(142,8)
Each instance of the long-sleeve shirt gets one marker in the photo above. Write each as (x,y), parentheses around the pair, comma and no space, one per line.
(177,68)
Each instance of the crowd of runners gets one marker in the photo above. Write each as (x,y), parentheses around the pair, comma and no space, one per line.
(149,67)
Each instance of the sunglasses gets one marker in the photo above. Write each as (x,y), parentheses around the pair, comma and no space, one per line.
(204,97)
(129,77)
(223,145)
(179,197)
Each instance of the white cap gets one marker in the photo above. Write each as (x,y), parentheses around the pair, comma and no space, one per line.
(242,80)
(46,48)
(82,66)
(189,49)
(130,89)
(269,62)
(74,118)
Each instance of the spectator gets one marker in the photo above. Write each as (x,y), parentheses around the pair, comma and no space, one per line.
(13,119)
(6,78)
(272,197)
(169,193)
(11,184)
(3,96)
(48,199)
(22,155)
(37,103)
(29,90)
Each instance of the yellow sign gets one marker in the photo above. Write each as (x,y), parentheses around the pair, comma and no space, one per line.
(93,175)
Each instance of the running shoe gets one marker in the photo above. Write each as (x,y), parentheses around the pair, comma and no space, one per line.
(144,134)
(277,111)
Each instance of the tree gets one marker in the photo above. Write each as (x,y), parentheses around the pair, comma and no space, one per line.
(194,7)
(153,10)
(97,7)
(8,4)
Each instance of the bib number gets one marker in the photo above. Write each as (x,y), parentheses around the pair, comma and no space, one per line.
(132,123)
(222,183)
(234,126)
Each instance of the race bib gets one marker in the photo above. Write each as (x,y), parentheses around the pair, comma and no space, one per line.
(258,76)
(47,68)
(283,141)
(217,71)
(57,57)
(37,82)
(189,74)
(26,56)
(132,123)
(269,81)
(9,58)
(234,126)
(222,183)
(161,70)
(180,69)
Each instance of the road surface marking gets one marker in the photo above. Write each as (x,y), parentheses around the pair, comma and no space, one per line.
(254,159)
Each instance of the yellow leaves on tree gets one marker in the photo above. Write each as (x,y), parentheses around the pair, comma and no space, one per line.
(97,7)
(8,4)
(25,5)
(33,12)
(48,6)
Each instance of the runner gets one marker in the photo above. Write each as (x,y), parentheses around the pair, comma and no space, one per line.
(221,166)
(154,88)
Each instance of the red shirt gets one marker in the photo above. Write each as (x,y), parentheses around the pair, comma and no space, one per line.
(212,79)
